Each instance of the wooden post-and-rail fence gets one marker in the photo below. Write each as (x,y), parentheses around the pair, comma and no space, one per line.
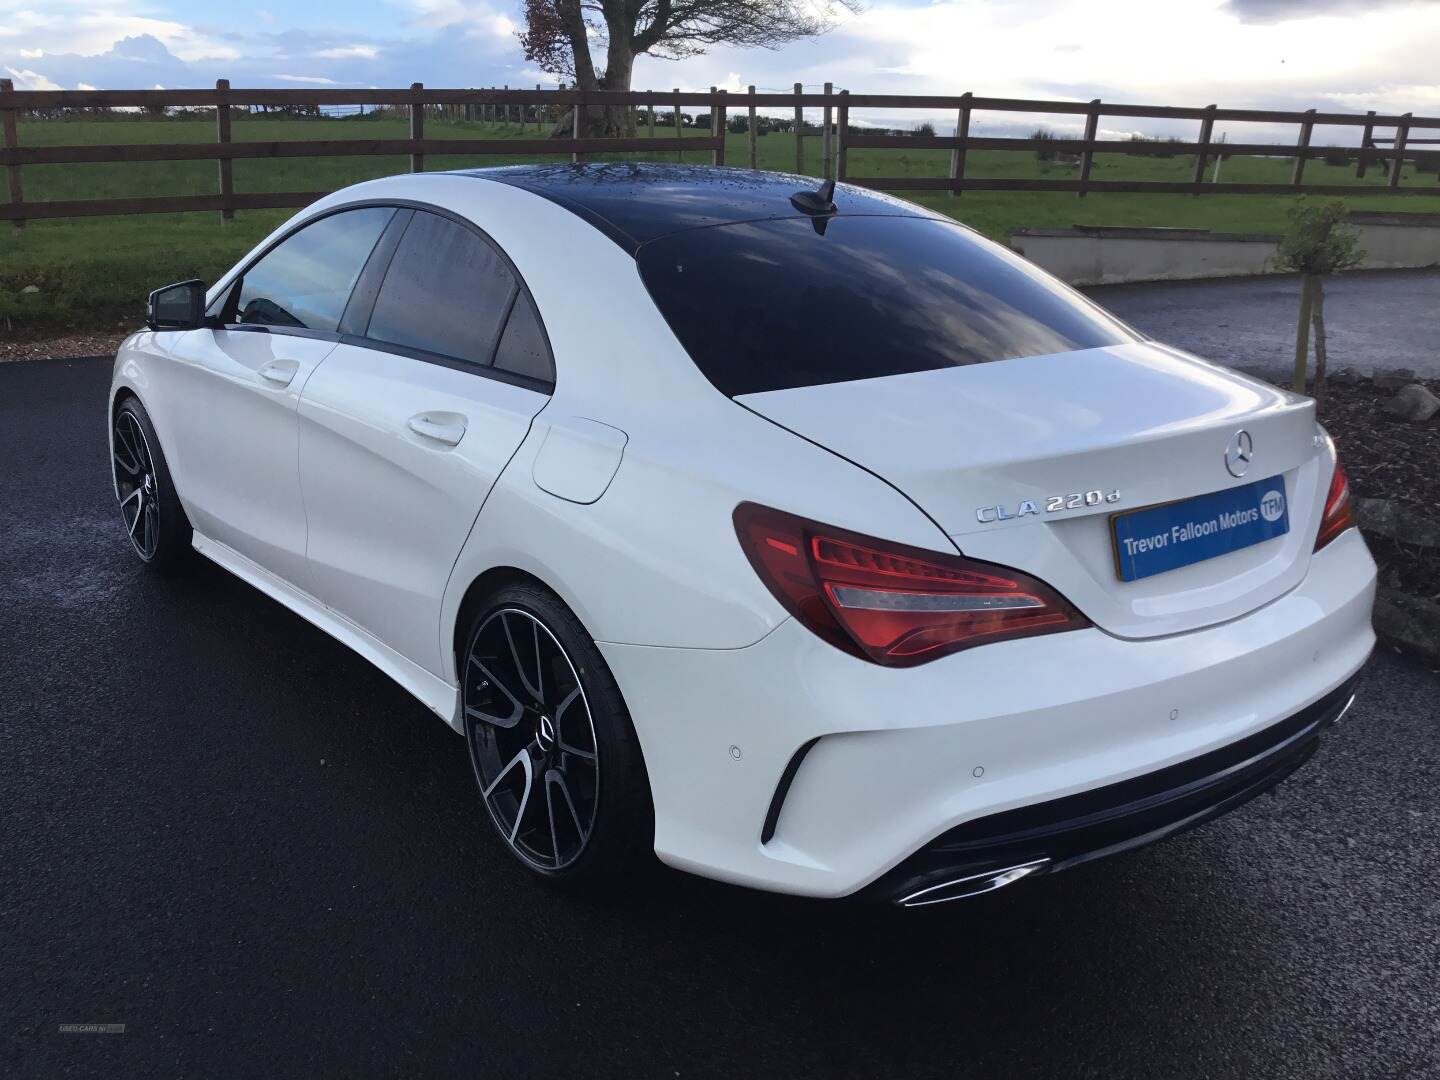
(838,139)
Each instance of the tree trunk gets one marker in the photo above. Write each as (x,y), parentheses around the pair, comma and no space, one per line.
(603,121)
(1319,318)
(1302,334)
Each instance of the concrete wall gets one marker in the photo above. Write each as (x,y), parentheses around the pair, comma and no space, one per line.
(1098,255)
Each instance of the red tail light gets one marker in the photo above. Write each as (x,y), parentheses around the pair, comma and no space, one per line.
(892,604)
(1339,510)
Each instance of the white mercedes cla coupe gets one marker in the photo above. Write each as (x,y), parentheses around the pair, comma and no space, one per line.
(805,539)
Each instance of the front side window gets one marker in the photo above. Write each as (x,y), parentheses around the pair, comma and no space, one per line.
(305,281)
(770,305)
(446,292)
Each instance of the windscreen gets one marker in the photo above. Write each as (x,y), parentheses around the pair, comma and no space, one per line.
(770,305)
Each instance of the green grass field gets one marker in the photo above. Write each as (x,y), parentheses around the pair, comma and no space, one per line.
(94,270)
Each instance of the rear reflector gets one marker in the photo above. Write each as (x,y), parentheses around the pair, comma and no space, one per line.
(1339,510)
(889,603)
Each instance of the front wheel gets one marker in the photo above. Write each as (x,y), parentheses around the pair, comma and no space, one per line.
(150,510)
(555,755)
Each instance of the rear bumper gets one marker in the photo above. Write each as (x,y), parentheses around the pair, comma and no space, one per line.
(984,854)
(897,759)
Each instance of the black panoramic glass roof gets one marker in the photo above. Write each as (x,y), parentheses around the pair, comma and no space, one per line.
(634,203)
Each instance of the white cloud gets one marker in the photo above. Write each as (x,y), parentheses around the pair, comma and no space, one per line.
(31,80)
(88,28)
(84,86)
(32,54)
(541,78)
(316,80)
(475,19)
(349,52)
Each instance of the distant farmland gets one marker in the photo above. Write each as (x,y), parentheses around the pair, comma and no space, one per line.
(98,269)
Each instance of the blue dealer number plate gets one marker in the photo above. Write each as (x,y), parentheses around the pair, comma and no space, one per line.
(1161,538)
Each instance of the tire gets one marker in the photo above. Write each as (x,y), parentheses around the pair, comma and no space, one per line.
(555,755)
(154,521)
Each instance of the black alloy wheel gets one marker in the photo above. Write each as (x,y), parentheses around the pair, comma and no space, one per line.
(555,755)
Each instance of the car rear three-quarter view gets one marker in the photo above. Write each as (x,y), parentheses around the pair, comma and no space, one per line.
(805,539)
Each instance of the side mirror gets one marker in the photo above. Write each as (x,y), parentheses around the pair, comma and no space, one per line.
(176,307)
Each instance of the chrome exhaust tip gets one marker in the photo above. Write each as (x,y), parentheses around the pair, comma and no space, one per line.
(972,885)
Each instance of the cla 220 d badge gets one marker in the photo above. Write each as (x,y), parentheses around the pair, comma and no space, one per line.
(1076,500)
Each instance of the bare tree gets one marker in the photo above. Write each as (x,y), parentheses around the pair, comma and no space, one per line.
(564,37)
(1317,244)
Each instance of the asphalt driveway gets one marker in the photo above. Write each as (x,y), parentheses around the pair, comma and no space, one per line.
(1375,320)
(224,831)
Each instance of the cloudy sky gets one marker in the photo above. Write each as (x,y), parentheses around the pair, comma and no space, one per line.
(1332,54)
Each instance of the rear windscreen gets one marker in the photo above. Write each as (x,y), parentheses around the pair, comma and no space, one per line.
(769,305)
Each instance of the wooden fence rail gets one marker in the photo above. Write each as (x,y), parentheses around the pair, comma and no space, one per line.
(838,139)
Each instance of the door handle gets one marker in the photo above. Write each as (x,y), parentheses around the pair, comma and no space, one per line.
(442,427)
(279,372)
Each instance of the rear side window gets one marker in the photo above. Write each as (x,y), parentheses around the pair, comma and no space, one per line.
(769,305)
(523,349)
(305,281)
(446,291)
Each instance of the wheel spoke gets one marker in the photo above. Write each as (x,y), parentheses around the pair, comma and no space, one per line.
(133,470)
(566,747)
(139,510)
(517,710)
(142,445)
(530,688)
(525,796)
(128,438)
(574,814)
(550,809)
(519,757)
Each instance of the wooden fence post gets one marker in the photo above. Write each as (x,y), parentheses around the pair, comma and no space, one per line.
(1402,132)
(717,123)
(1087,156)
(650,104)
(222,136)
(417,127)
(679,127)
(12,142)
(505,114)
(825,144)
(576,157)
(1367,142)
(957,155)
(799,131)
(1297,174)
(1207,126)
(842,126)
(750,131)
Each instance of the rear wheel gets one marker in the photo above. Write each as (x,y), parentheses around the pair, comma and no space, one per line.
(150,510)
(554,753)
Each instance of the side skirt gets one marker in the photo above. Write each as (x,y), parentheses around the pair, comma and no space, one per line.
(433,692)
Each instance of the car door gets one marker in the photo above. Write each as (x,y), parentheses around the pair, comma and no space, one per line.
(238,387)
(408,423)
